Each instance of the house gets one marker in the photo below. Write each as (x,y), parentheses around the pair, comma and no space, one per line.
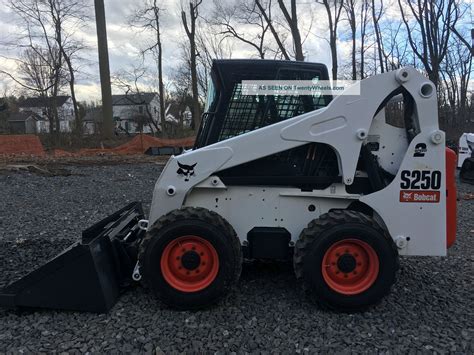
(92,121)
(177,113)
(187,116)
(132,112)
(25,122)
(40,106)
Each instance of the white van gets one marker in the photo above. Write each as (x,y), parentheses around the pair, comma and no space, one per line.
(463,149)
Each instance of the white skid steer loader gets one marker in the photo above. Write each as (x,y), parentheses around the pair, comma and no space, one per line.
(326,182)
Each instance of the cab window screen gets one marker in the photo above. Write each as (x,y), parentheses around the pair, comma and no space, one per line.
(246,113)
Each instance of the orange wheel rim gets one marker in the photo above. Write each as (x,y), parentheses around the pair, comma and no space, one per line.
(350,266)
(189,263)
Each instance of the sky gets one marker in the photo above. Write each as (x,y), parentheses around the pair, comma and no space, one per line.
(125,42)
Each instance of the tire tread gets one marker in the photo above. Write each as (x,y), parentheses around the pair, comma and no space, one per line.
(325,222)
(196,213)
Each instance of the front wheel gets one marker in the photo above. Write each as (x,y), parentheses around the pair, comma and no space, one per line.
(190,258)
(345,260)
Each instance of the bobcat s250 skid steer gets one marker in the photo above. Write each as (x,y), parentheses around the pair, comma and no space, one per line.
(325,182)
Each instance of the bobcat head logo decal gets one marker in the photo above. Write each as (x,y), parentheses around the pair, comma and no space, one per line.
(186,170)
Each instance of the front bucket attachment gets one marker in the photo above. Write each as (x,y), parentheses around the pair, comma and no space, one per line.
(87,276)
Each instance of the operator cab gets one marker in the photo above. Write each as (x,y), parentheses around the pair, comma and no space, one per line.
(229,113)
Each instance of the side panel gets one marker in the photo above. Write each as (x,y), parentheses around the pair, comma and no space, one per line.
(413,207)
(246,207)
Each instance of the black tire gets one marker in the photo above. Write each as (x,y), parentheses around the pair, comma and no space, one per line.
(320,239)
(201,223)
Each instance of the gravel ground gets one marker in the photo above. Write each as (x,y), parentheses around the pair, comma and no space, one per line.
(430,309)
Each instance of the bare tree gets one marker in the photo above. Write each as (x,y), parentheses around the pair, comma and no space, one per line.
(190,29)
(35,72)
(376,15)
(48,30)
(40,50)
(333,11)
(238,20)
(428,24)
(461,38)
(456,72)
(37,75)
(265,9)
(364,19)
(209,47)
(291,18)
(66,17)
(350,8)
(395,48)
(148,18)
(129,82)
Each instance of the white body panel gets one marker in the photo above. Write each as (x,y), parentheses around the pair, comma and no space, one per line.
(246,207)
(344,124)
(464,151)
(423,223)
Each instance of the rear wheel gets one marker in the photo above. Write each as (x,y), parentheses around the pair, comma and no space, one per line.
(345,260)
(190,258)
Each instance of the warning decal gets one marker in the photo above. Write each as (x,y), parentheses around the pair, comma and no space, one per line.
(419,196)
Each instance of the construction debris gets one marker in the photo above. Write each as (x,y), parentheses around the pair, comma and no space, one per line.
(35,169)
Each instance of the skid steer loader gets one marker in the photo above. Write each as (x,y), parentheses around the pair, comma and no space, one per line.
(328,183)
